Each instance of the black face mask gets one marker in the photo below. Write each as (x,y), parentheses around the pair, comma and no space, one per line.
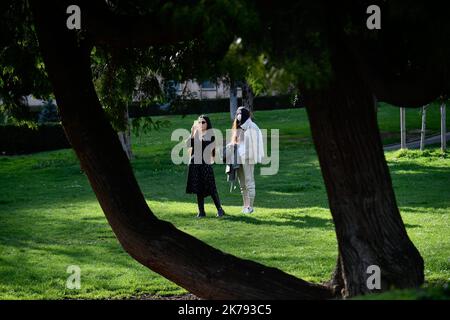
(242,115)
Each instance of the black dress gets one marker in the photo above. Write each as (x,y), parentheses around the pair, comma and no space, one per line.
(200,179)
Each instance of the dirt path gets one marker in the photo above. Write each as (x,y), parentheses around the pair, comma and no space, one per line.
(416,143)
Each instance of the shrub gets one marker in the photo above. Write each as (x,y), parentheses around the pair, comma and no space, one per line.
(195,106)
(22,140)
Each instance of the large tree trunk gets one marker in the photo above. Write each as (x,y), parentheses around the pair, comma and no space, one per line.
(183,259)
(368,224)
(247,96)
(233,99)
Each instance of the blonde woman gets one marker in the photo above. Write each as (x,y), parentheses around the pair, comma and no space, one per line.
(247,137)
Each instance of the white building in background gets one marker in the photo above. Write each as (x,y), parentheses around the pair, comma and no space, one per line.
(34,103)
(205,90)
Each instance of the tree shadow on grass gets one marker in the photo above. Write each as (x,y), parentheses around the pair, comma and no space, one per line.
(298,221)
(421,186)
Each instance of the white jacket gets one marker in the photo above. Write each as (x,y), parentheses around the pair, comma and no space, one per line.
(251,150)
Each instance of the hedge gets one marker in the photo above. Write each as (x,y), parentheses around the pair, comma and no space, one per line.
(22,140)
(195,106)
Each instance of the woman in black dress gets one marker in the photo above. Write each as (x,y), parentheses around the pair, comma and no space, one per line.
(201,179)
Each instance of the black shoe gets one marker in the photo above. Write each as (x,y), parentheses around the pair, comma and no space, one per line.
(220,213)
(201,215)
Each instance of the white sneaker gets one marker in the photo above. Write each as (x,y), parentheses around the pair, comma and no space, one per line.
(247,210)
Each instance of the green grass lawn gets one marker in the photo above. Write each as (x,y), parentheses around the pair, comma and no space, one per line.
(50,219)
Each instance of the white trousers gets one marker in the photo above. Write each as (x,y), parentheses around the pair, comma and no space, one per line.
(245,175)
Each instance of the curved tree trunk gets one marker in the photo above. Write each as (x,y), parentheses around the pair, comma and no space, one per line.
(368,224)
(181,258)
(336,283)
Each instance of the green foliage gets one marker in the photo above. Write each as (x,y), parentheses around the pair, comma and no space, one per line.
(4,119)
(22,70)
(121,75)
(295,38)
(284,44)
(143,126)
(416,154)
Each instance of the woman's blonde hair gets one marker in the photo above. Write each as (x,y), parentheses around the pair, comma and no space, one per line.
(234,129)
(234,137)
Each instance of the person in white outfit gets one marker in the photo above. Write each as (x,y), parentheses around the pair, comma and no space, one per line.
(250,149)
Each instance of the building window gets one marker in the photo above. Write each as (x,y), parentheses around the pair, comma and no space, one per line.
(208,85)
